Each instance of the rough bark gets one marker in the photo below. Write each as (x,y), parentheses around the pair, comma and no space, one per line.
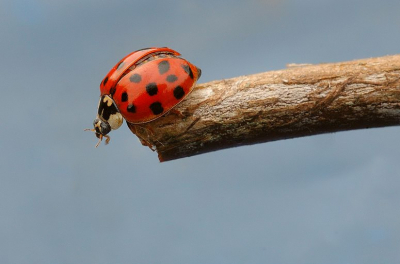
(295,102)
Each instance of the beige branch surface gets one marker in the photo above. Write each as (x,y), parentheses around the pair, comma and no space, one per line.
(298,101)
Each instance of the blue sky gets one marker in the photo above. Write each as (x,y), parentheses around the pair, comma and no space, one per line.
(324,199)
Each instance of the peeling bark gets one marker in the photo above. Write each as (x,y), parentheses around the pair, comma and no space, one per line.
(295,102)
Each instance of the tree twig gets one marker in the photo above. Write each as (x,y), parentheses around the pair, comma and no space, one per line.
(295,102)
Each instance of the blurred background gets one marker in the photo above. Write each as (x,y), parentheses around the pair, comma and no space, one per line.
(330,198)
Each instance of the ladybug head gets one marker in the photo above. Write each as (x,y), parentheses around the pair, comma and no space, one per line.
(108,118)
(101,129)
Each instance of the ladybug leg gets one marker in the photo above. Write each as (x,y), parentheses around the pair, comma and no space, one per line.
(177,112)
(101,138)
(147,129)
(107,139)
(98,142)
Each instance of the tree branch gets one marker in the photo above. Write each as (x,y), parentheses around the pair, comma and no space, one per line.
(295,102)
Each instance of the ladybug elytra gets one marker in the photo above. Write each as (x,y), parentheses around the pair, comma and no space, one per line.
(143,86)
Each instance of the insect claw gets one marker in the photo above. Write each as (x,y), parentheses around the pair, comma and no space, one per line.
(107,139)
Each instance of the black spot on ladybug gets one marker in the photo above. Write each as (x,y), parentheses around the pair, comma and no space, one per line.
(172,78)
(131,108)
(156,108)
(163,66)
(120,65)
(112,91)
(135,78)
(151,89)
(179,92)
(105,81)
(188,70)
(124,97)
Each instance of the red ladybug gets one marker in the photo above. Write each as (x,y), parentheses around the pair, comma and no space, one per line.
(143,86)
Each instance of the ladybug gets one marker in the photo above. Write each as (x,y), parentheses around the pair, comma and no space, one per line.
(143,86)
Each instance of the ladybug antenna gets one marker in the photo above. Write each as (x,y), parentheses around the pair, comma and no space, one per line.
(100,136)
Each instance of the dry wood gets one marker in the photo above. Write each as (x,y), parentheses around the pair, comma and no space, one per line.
(295,102)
